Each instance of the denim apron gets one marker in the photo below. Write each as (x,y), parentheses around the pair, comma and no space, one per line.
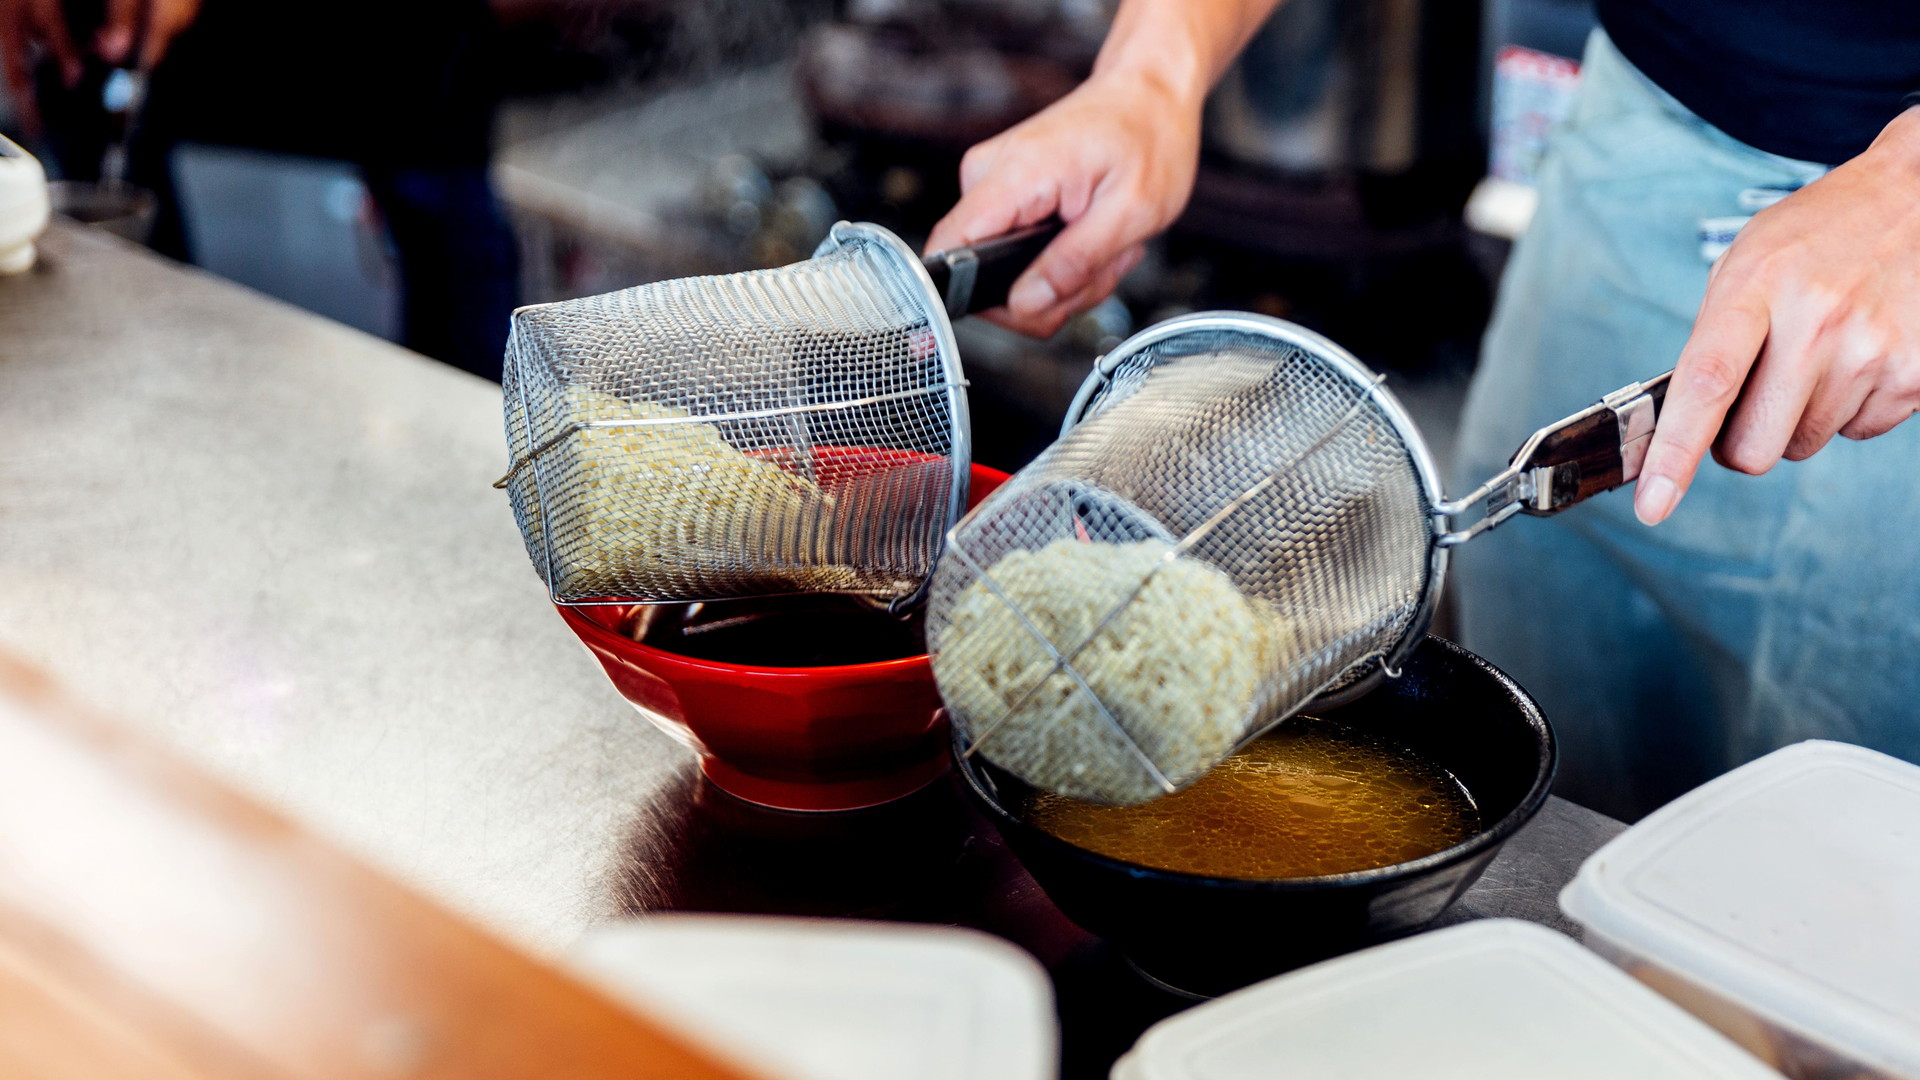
(1768,609)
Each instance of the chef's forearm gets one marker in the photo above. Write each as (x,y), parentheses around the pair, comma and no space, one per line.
(1184,44)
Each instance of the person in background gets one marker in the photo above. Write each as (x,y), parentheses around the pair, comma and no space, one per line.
(1775,604)
(402,89)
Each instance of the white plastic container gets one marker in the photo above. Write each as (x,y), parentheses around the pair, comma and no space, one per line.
(1780,903)
(1493,1000)
(23,207)
(835,999)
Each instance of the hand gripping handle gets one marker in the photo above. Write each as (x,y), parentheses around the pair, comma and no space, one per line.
(979,276)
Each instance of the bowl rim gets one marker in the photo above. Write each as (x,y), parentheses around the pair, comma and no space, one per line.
(586,626)
(1490,837)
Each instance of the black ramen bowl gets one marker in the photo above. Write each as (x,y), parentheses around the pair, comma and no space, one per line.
(1207,935)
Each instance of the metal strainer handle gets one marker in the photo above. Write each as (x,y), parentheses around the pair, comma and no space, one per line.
(1596,449)
(979,276)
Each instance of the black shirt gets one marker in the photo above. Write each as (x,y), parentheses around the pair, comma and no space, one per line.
(375,82)
(1808,79)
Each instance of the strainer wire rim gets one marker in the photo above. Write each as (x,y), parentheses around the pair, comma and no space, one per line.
(960,417)
(539,489)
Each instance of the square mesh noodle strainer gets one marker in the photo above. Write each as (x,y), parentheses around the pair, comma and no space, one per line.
(777,431)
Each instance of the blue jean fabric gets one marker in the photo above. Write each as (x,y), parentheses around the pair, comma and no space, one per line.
(459,263)
(1768,609)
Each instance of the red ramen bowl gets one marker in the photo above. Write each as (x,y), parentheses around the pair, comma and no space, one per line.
(796,738)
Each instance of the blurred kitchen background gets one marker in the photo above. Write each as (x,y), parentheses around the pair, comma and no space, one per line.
(635,140)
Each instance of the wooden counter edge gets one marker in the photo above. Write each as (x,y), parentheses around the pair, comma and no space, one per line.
(155,922)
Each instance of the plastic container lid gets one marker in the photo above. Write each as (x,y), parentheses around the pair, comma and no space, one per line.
(1493,1000)
(1791,886)
(835,999)
(23,206)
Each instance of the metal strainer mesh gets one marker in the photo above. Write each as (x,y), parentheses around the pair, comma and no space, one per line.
(777,431)
(1273,464)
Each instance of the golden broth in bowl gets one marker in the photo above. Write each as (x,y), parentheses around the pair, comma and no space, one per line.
(1313,797)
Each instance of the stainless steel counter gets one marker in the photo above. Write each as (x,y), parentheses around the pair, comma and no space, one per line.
(271,541)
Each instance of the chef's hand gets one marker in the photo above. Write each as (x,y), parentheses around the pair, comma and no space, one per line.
(1810,327)
(1115,159)
(150,24)
(28,27)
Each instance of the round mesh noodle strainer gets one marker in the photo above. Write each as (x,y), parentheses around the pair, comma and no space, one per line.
(1237,522)
(794,430)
